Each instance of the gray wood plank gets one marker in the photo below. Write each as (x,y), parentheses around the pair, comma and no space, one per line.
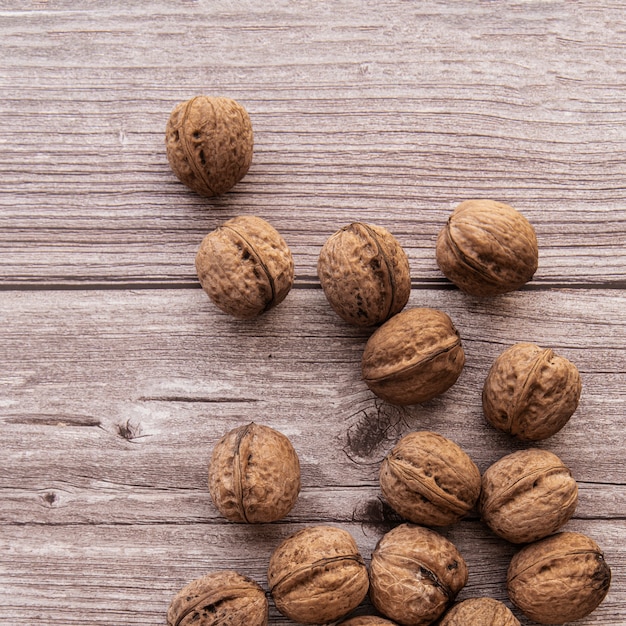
(119,582)
(113,400)
(387,114)
(125,370)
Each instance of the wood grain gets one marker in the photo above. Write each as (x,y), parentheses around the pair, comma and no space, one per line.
(117,374)
(116,399)
(391,115)
(119,584)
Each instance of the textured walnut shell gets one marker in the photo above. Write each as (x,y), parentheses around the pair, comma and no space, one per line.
(365,274)
(413,357)
(527,495)
(209,143)
(530,392)
(245,267)
(559,579)
(479,612)
(415,574)
(317,575)
(429,479)
(367,620)
(487,248)
(254,474)
(219,598)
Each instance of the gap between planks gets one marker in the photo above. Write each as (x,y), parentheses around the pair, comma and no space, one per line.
(303,282)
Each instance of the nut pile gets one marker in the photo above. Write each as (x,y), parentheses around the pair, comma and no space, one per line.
(317,575)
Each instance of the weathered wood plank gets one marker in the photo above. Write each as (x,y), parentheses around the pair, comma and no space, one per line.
(110,574)
(83,498)
(113,400)
(117,397)
(391,116)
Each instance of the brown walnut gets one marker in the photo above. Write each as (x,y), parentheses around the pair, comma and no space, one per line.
(224,597)
(527,495)
(245,267)
(559,579)
(367,620)
(413,357)
(479,612)
(365,274)
(429,479)
(317,575)
(530,392)
(254,474)
(487,248)
(209,143)
(415,574)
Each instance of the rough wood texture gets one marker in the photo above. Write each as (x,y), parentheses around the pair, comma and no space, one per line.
(118,375)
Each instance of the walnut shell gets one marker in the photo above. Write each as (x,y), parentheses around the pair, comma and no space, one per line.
(317,575)
(415,574)
(254,474)
(559,579)
(245,267)
(479,612)
(209,143)
(527,495)
(413,357)
(530,392)
(367,620)
(219,598)
(429,479)
(365,274)
(487,248)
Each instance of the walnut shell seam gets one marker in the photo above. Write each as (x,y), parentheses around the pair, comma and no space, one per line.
(498,498)
(211,597)
(399,467)
(416,365)
(390,270)
(270,279)
(319,563)
(188,149)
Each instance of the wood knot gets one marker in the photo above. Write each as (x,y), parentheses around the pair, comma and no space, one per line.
(372,430)
(129,431)
(49,498)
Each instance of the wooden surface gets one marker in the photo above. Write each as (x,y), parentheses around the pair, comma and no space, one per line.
(118,375)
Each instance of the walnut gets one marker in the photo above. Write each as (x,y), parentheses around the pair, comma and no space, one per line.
(245,267)
(487,248)
(559,579)
(415,574)
(317,575)
(413,357)
(367,620)
(209,143)
(219,598)
(479,612)
(527,495)
(365,274)
(530,392)
(429,480)
(254,474)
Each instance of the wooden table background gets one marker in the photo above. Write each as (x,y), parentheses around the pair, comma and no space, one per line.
(118,375)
